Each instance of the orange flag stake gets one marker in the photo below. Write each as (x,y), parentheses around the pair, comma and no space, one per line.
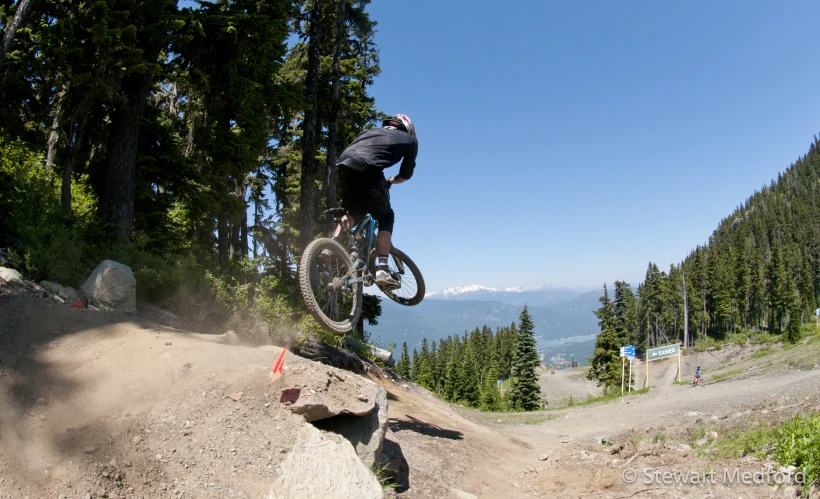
(278,365)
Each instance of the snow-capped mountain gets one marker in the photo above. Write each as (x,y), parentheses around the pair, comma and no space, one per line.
(535,296)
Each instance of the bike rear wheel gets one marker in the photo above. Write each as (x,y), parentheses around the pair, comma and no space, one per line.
(324,278)
(411,290)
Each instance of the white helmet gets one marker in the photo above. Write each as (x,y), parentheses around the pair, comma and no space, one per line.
(402,122)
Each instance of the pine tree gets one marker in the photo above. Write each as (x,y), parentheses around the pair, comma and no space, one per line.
(605,363)
(526,393)
(403,365)
(415,367)
(490,397)
(796,307)
(467,389)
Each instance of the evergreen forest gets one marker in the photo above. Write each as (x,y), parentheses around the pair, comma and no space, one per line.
(758,272)
(197,145)
(466,369)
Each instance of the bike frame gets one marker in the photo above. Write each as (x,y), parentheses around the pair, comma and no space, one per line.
(366,228)
(364,231)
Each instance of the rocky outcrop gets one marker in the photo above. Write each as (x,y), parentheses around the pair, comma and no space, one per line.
(341,402)
(324,465)
(112,285)
(65,292)
(324,394)
(366,433)
(10,275)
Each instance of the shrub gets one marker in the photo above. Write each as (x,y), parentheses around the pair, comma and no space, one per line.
(798,446)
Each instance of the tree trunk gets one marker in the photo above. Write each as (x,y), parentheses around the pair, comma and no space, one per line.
(54,133)
(120,175)
(333,121)
(222,235)
(307,198)
(21,12)
(256,223)
(72,154)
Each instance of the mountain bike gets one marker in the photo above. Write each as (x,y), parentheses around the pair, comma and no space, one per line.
(332,276)
(701,382)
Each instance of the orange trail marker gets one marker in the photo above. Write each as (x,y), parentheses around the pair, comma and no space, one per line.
(278,365)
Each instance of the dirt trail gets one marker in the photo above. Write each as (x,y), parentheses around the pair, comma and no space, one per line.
(108,405)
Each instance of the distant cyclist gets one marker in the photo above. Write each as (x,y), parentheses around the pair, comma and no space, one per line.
(364,189)
(697,375)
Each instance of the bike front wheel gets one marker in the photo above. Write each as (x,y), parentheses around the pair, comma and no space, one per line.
(329,285)
(404,270)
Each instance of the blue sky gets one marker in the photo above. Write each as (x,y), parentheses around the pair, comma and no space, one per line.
(571,143)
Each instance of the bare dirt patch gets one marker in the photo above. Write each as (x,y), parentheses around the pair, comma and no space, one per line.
(115,405)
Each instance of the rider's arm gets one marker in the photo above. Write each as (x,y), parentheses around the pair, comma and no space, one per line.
(396,180)
(408,164)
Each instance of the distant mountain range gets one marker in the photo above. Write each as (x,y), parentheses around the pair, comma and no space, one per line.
(560,315)
(537,296)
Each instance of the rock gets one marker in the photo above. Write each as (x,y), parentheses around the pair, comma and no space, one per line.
(366,433)
(137,439)
(42,401)
(236,396)
(685,447)
(322,466)
(714,435)
(113,285)
(10,275)
(362,397)
(337,398)
(605,441)
(701,441)
(543,457)
(65,292)
(383,355)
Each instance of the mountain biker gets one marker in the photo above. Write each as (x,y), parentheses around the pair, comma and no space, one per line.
(697,375)
(363,187)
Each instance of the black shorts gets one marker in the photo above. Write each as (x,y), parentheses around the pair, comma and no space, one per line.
(366,192)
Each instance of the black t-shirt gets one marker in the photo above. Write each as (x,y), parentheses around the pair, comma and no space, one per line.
(380,148)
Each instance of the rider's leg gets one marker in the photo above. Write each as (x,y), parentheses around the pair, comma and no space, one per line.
(345,224)
(383,243)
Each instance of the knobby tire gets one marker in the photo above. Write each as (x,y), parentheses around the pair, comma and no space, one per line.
(327,303)
(405,295)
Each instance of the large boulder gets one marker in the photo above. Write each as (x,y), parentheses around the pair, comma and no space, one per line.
(10,275)
(324,465)
(112,285)
(321,394)
(341,402)
(366,433)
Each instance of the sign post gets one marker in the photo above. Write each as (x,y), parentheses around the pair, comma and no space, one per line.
(623,366)
(661,353)
(626,352)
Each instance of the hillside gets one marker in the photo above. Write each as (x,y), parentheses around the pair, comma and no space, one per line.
(106,404)
(436,319)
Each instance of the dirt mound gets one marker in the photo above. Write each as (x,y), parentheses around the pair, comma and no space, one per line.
(110,404)
(114,405)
